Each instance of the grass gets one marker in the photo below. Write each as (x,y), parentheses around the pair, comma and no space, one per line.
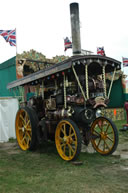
(43,171)
(123,136)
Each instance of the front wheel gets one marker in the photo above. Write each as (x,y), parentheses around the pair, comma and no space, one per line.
(104,136)
(68,140)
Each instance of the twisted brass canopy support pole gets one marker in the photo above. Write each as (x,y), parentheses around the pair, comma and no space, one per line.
(42,89)
(104,80)
(111,83)
(65,101)
(86,81)
(80,86)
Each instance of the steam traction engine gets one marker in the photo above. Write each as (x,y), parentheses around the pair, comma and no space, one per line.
(68,107)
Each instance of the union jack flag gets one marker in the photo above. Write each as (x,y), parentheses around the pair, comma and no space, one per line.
(100,51)
(67,43)
(125,61)
(9,36)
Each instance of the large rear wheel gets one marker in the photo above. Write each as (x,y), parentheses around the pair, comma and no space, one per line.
(68,140)
(26,124)
(104,136)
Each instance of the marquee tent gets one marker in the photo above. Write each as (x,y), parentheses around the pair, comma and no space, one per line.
(8,109)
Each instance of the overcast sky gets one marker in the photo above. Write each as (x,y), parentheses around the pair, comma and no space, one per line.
(42,25)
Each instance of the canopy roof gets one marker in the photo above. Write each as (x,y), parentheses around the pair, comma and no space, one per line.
(94,62)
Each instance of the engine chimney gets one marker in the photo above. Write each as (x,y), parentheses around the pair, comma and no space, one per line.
(75,28)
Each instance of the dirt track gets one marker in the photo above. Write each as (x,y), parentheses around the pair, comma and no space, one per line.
(13,148)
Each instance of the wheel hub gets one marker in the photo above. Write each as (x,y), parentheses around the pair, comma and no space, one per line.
(67,140)
(103,135)
(23,129)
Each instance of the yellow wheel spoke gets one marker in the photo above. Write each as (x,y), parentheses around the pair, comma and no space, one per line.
(70,147)
(107,128)
(19,128)
(28,135)
(60,139)
(70,152)
(23,139)
(26,117)
(98,143)
(70,129)
(28,142)
(100,124)
(22,118)
(110,133)
(96,132)
(27,139)
(110,139)
(63,130)
(74,142)
(28,129)
(63,146)
(104,146)
(26,125)
(73,134)
(107,145)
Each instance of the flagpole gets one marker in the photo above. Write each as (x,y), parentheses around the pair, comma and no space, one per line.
(122,65)
(16,52)
(64,47)
(16,42)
